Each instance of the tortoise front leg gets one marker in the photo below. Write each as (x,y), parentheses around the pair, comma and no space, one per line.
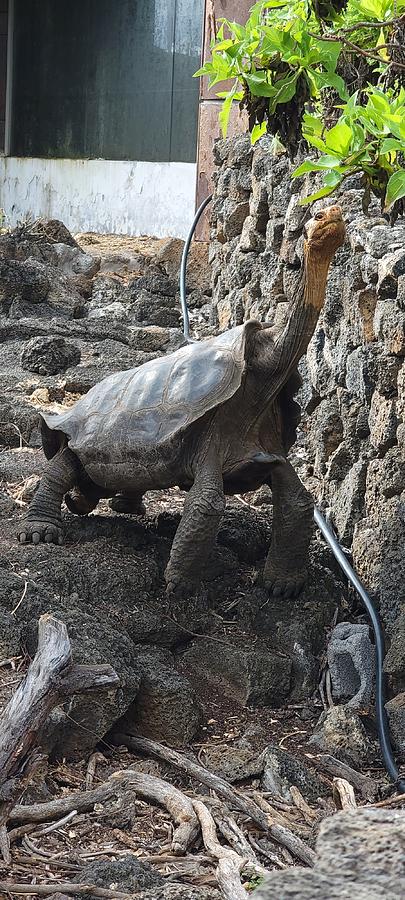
(285,571)
(196,534)
(43,521)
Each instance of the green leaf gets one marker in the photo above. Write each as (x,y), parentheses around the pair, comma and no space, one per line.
(395,188)
(226,109)
(325,162)
(339,138)
(258,85)
(257,132)
(331,182)
(390,144)
(284,90)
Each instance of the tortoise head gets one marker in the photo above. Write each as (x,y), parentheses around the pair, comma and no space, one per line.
(325,232)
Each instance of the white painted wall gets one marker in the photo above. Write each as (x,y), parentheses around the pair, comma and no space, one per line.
(101,195)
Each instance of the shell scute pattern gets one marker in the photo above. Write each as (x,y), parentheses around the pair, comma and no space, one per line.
(147,406)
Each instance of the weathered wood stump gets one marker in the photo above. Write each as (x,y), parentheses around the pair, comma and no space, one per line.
(50,679)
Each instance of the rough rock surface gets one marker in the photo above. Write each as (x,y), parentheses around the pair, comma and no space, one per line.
(341,733)
(128,874)
(359,854)
(350,452)
(351,664)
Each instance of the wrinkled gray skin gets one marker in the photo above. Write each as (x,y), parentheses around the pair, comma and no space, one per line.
(236,442)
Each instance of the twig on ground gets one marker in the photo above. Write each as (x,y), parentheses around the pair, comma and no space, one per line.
(13,611)
(366,786)
(390,801)
(91,768)
(343,794)
(308,814)
(46,890)
(266,853)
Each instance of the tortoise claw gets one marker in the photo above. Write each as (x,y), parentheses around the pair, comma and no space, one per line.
(284,585)
(35,532)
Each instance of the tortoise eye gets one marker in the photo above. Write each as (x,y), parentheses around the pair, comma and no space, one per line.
(318,215)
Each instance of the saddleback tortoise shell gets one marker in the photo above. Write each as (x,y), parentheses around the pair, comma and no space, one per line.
(147,406)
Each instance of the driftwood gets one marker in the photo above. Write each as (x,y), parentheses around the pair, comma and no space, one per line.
(366,786)
(50,679)
(280,833)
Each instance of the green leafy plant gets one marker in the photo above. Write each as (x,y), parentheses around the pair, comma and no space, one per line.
(254,882)
(368,139)
(326,75)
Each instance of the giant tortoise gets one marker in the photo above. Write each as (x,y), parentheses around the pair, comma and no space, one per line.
(215,417)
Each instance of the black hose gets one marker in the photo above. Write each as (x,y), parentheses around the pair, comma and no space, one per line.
(183,267)
(381,715)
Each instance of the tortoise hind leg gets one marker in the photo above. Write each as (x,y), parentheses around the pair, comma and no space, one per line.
(285,570)
(196,534)
(43,521)
(127,503)
(84,497)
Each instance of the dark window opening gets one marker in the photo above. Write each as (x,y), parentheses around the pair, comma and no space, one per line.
(107,79)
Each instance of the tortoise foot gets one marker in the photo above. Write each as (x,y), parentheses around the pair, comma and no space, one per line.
(35,532)
(122,503)
(284,584)
(179,587)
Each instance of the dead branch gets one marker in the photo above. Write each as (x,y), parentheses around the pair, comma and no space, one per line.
(204,776)
(299,801)
(91,769)
(233,834)
(51,677)
(177,804)
(343,794)
(266,853)
(366,786)
(280,834)
(147,786)
(46,890)
(228,880)
(53,809)
(228,877)
(285,837)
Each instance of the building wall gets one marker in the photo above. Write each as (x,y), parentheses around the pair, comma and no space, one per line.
(3,68)
(101,195)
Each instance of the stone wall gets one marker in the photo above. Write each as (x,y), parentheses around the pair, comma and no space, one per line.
(350,452)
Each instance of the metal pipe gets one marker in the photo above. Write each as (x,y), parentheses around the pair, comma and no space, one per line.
(381,715)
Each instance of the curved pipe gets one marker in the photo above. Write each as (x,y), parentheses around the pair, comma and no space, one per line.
(183,268)
(381,715)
